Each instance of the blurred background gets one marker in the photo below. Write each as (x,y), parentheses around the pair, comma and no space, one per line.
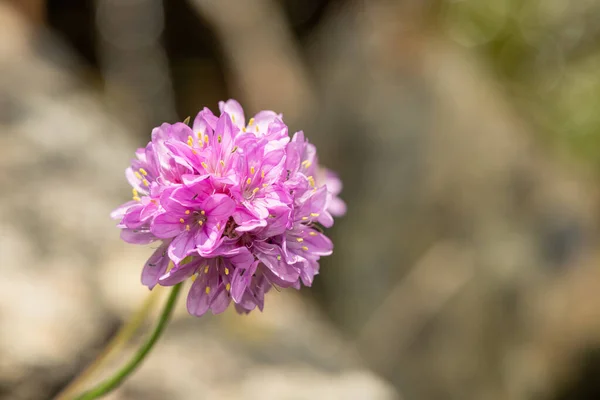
(467,135)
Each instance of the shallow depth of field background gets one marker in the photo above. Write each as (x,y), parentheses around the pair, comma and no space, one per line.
(467,135)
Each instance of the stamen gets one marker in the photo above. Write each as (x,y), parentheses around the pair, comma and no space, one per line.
(255,190)
(138,175)
(206,269)
(306,163)
(249,181)
(313,233)
(299,240)
(311,180)
(251,121)
(244,129)
(264,185)
(304,218)
(170,266)
(256,128)
(218,225)
(200,223)
(252,170)
(207,290)
(222,162)
(219,138)
(187,212)
(314,214)
(262,174)
(181,220)
(202,212)
(199,134)
(135,192)
(193,277)
(137,198)
(206,139)
(234,149)
(143,171)
(226,271)
(232,118)
(204,165)
(304,248)
(187,228)
(228,286)
(145,182)
(190,141)
(278,258)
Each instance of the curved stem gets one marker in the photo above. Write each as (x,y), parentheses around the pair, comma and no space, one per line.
(114,381)
(119,340)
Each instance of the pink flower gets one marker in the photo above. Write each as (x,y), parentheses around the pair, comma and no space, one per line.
(236,206)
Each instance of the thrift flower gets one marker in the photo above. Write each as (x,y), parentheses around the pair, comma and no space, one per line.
(235,206)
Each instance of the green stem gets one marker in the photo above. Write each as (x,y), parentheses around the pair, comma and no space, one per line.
(114,381)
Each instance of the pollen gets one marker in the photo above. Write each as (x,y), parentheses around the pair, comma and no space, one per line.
(304,218)
(193,277)
(264,185)
(219,138)
(256,128)
(314,214)
(143,171)
(232,118)
(200,222)
(137,198)
(206,269)
(138,175)
(226,271)
(145,182)
(278,258)
(206,139)
(306,163)
(244,129)
(204,165)
(262,174)
(299,240)
(187,212)
(187,228)
(234,149)
(255,190)
(170,266)
(199,134)
(228,287)
(311,180)
(248,181)
(190,141)
(304,248)
(202,212)
(252,170)
(207,290)
(251,121)
(222,162)
(181,220)
(313,233)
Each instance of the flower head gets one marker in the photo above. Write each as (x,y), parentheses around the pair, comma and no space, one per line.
(236,207)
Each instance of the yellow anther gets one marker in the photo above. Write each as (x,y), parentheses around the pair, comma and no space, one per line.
(256,128)
(222,162)
(187,228)
(311,180)
(206,269)
(244,129)
(200,142)
(170,266)
(187,212)
(199,134)
(193,277)
(226,271)
(137,198)
(153,201)
(181,220)
(249,181)
(204,165)
(278,258)
(234,149)
(306,163)
(138,175)
(143,171)
(200,223)
(251,121)
(304,248)
(299,240)
(194,152)
(190,141)
(314,214)
(228,287)
(219,138)
(252,170)
(207,290)
(262,174)
(145,182)
(304,218)
(135,192)
(232,118)
(206,139)
(218,225)
(254,190)
(202,212)
(264,185)
(313,233)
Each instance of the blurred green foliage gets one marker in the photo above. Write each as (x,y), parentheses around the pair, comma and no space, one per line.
(547,53)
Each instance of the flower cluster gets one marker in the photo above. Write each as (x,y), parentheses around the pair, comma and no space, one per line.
(237,208)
